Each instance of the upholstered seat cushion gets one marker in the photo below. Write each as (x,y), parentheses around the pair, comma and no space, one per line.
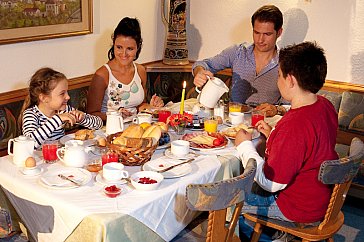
(351,112)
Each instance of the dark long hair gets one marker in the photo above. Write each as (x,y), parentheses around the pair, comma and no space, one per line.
(128,27)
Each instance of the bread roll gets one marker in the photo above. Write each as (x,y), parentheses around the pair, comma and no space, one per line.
(153,131)
(119,141)
(163,126)
(84,134)
(133,131)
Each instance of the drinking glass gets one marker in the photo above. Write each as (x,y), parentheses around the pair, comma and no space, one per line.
(234,107)
(163,115)
(107,157)
(210,125)
(257,115)
(49,151)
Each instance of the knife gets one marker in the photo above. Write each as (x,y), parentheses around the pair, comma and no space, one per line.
(69,179)
(171,167)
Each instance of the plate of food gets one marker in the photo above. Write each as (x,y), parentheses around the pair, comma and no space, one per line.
(231,132)
(88,136)
(206,141)
(72,178)
(128,114)
(163,163)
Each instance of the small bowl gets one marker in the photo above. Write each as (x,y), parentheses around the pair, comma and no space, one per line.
(112,190)
(94,166)
(149,176)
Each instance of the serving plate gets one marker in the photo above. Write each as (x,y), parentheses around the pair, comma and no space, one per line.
(224,131)
(97,133)
(204,147)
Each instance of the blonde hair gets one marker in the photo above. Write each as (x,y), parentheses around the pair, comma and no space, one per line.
(43,82)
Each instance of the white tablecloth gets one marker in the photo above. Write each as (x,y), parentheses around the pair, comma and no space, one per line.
(164,210)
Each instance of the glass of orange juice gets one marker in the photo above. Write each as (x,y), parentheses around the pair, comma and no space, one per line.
(210,125)
(234,107)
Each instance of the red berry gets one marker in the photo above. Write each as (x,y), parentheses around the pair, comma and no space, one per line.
(217,142)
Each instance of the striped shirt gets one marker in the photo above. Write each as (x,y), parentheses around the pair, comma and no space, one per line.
(41,128)
(247,86)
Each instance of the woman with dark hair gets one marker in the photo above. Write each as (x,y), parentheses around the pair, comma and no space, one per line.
(121,83)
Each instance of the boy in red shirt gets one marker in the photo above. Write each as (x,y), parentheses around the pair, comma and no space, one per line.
(287,186)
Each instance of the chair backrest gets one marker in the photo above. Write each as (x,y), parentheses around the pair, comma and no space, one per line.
(340,173)
(217,197)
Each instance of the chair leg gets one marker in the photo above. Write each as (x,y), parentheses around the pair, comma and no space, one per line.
(258,228)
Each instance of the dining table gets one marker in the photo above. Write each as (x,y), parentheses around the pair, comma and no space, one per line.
(84,213)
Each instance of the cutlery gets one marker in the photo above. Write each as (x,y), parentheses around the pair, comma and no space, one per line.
(171,167)
(69,179)
(252,127)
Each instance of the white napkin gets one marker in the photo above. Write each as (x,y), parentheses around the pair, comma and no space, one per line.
(54,181)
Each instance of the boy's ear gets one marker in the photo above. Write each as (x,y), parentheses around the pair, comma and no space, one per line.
(292,81)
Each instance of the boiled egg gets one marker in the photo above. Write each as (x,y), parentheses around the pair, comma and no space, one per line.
(30,162)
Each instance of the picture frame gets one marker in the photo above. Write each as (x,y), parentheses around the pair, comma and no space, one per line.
(50,31)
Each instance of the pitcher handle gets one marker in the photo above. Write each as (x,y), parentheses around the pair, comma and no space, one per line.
(121,123)
(61,150)
(9,145)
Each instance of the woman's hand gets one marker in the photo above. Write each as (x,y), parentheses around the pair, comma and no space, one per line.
(264,128)
(68,117)
(79,115)
(156,101)
(241,136)
(201,77)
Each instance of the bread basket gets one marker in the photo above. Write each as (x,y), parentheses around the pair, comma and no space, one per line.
(130,156)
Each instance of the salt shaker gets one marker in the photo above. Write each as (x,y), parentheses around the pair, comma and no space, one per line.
(219,109)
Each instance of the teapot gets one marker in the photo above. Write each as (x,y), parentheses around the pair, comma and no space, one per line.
(74,155)
(23,148)
(114,122)
(211,92)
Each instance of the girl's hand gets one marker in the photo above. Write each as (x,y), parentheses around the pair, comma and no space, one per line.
(241,136)
(264,128)
(68,117)
(156,101)
(79,115)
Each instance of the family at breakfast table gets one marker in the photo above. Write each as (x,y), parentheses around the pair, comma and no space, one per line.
(263,78)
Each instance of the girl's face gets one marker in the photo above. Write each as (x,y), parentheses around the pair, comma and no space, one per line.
(125,49)
(58,98)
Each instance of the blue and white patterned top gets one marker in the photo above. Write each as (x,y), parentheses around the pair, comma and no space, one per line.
(41,128)
(247,86)
(119,95)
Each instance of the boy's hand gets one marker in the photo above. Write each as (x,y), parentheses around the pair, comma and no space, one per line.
(241,136)
(264,128)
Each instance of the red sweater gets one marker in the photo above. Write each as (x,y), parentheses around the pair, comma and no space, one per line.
(301,141)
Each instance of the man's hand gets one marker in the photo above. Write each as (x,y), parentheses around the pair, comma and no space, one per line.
(201,76)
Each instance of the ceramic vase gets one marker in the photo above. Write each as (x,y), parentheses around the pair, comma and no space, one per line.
(175,52)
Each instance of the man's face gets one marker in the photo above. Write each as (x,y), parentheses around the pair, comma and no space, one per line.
(265,36)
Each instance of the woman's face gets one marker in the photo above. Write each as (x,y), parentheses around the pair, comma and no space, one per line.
(125,49)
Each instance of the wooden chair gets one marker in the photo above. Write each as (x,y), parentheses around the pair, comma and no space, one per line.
(339,173)
(217,197)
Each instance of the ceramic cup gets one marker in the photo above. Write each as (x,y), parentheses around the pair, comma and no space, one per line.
(114,171)
(236,118)
(180,148)
(143,118)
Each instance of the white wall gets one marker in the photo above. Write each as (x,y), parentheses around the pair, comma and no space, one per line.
(337,25)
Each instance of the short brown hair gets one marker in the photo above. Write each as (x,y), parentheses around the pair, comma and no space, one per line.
(269,13)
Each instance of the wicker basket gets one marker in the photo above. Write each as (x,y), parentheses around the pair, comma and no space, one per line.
(130,156)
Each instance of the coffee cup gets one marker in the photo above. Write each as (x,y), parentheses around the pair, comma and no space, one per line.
(143,118)
(180,148)
(236,118)
(114,171)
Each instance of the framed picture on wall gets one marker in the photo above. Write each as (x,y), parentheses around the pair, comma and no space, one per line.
(29,20)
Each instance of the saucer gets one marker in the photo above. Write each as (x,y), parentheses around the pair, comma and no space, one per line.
(34,171)
(103,181)
(169,154)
